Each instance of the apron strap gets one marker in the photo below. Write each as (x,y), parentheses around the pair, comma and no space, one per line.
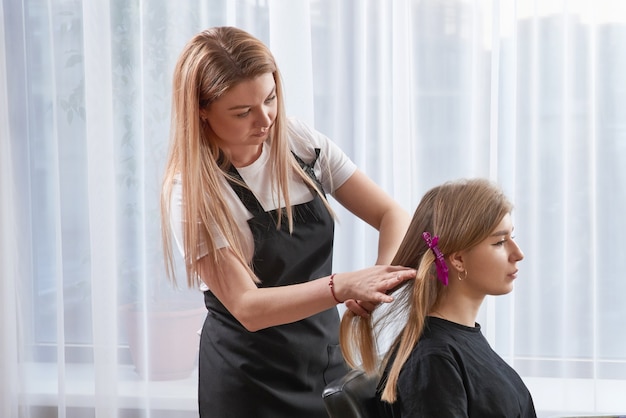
(246,196)
(308,169)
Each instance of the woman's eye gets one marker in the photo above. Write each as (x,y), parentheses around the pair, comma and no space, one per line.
(243,115)
(270,99)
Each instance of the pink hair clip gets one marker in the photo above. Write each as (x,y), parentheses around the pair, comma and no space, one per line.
(440,262)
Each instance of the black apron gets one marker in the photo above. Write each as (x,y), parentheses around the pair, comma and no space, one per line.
(279,371)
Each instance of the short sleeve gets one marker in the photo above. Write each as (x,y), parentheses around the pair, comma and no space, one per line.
(177,221)
(334,167)
(432,388)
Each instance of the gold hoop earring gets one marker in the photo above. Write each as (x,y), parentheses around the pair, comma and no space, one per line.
(464,277)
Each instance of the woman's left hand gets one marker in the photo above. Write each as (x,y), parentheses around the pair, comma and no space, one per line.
(361,308)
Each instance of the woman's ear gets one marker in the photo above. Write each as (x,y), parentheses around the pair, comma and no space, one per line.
(456,261)
(203,114)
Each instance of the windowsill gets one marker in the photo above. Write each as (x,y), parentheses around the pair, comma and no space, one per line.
(42,388)
(577,397)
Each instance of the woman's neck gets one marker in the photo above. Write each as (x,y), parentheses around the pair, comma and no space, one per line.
(459,310)
(244,156)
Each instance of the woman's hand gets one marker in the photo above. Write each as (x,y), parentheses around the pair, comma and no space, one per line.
(363,290)
(360,307)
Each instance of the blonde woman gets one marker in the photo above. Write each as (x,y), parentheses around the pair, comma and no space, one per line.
(439,365)
(244,198)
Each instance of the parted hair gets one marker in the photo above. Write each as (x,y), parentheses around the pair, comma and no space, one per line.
(210,64)
(461,213)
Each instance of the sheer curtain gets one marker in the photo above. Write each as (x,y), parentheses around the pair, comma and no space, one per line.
(417,92)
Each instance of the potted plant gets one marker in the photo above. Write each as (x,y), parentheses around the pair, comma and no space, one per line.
(159,321)
(163,338)
(161,325)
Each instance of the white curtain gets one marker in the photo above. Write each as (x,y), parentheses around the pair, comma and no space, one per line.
(417,92)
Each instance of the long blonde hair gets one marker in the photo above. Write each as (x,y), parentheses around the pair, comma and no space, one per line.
(213,62)
(462,213)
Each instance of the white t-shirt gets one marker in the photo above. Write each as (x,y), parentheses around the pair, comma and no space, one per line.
(332,169)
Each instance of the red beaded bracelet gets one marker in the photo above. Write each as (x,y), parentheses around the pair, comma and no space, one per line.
(331,284)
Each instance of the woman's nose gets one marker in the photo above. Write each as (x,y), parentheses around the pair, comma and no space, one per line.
(264,119)
(518,254)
